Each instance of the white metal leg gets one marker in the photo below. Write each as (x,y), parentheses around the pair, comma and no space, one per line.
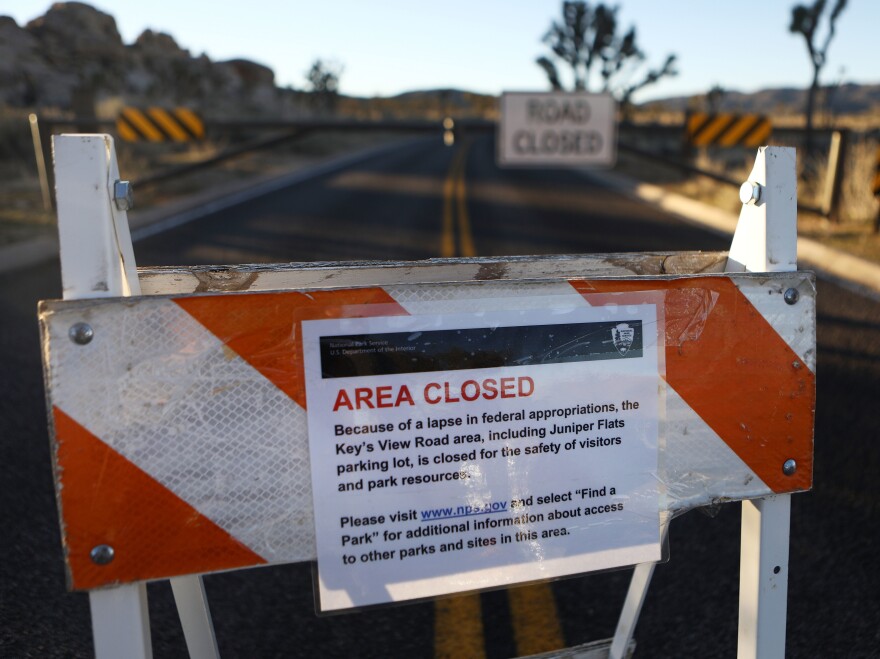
(632,607)
(635,598)
(120,623)
(195,617)
(97,260)
(763,577)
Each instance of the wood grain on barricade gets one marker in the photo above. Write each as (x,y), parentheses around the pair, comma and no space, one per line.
(736,353)
(298,276)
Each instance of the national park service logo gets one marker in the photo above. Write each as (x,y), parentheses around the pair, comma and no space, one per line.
(622,336)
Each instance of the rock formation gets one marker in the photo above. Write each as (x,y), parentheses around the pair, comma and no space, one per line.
(73,58)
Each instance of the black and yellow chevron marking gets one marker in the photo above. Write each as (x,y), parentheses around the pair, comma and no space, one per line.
(704,129)
(875,185)
(159,125)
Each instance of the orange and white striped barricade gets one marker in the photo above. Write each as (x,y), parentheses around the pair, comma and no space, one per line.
(199,395)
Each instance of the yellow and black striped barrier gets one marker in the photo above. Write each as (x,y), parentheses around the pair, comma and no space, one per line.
(159,125)
(723,129)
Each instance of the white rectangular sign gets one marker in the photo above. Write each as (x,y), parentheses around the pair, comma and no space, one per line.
(571,129)
(460,452)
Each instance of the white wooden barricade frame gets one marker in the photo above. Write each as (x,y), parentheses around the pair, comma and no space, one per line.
(97,260)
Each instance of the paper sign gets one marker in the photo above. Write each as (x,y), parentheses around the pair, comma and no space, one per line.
(459,452)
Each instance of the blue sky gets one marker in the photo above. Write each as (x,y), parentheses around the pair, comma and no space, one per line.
(391,46)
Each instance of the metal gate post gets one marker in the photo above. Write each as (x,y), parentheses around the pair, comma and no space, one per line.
(97,260)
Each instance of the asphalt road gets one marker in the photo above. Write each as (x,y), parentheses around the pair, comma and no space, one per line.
(418,201)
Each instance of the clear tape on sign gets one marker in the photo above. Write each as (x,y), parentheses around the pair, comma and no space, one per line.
(199,411)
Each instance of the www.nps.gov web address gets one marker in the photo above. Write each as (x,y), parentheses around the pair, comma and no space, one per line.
(451,512)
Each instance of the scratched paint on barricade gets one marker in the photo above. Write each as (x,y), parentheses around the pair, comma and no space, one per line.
(460,452)
(197,403)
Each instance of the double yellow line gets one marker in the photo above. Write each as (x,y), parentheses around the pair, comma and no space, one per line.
(458,621)
(455,199)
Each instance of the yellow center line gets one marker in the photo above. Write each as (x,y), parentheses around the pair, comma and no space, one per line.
(458,623)
(447,239)
(534,620)
(465,237)
(455,199)
(458,628)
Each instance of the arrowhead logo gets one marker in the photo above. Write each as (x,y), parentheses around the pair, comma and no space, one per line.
(622,337)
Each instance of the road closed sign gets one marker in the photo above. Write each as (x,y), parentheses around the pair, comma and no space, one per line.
(557,129)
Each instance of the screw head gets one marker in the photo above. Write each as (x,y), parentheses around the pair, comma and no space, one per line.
(750,192)
(81,333)
(791,296)
(102,554)
(789,467)
(123,195)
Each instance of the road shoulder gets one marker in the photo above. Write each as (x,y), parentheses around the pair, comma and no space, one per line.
(840,267)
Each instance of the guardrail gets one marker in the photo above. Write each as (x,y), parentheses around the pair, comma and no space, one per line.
(676,153)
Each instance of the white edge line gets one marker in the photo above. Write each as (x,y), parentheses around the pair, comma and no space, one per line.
(851,272)
(27,253)
(268,187)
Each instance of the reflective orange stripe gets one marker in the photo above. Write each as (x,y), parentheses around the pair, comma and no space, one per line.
(264,329)
(167,536)
(735,371)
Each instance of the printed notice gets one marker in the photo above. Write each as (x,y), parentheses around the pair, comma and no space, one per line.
(459,452)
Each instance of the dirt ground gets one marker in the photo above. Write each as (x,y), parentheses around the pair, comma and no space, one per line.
(853,233)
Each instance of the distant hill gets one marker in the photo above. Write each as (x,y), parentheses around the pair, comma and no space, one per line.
(73,59)
(844,99)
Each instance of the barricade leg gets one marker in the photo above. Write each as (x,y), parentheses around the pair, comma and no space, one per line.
(763,581)
(632,608)
(120,622)
(632,605)
(195,617)
(97,260)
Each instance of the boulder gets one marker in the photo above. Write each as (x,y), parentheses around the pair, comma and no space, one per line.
(73,57)
(27,78)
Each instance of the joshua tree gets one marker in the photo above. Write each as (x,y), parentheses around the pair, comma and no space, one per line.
(587,41)
(323,83)
(805,21)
